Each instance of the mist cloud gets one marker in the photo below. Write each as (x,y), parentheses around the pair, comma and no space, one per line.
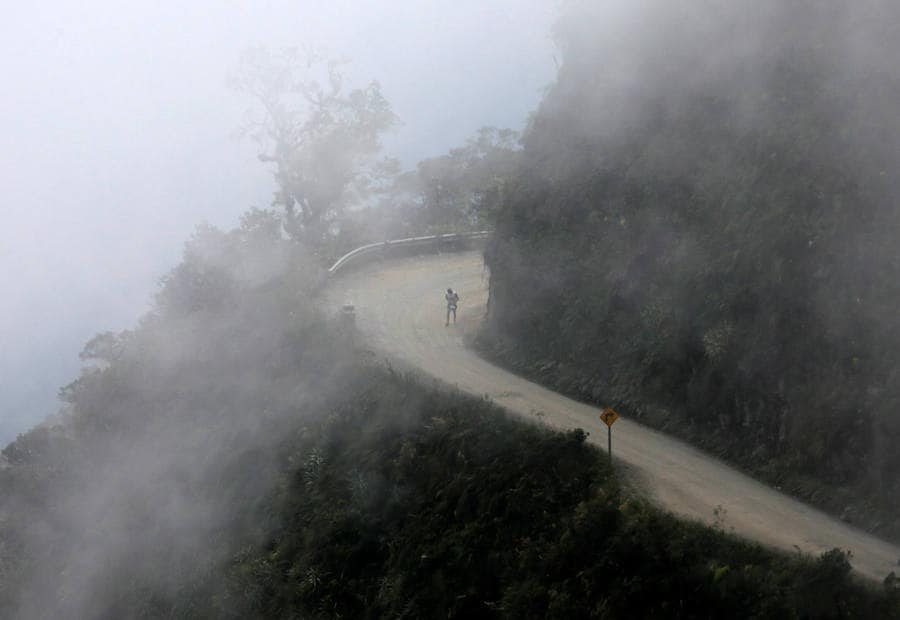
(117,139)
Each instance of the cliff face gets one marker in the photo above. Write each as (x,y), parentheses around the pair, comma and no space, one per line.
(704,232)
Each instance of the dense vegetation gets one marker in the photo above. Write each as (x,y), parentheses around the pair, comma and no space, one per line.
(158,468)
(232,457)
(460,512)
(703,230)
(456,192)
(335,190)
(236,456)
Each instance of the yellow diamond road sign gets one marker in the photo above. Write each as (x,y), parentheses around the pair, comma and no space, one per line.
(609,416)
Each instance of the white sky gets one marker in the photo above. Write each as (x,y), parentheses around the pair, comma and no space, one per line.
(116,139)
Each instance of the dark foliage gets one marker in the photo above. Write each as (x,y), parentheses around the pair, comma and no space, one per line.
(460,512)
(230,457)
(714,250)
(127,503)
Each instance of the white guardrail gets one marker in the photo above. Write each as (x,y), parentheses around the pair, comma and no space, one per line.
(433,243)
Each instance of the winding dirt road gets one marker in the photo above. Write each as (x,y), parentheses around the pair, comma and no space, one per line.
(400,311)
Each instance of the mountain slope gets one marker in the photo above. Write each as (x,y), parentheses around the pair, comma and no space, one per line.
(704,230)
(236,456)
(400,312)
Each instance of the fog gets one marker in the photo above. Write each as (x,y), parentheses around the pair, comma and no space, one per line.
(677,209)
(117,137)
(720,183)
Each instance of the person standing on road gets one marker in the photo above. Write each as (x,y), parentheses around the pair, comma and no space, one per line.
(452,301)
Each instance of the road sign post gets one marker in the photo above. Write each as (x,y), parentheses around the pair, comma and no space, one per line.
(609,417)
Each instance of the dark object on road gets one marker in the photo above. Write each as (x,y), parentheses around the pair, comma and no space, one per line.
(348,314)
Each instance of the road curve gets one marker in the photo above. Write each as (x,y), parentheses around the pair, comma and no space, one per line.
(400,311)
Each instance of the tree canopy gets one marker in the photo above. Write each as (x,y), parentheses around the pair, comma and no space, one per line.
(321,137)
(703,229)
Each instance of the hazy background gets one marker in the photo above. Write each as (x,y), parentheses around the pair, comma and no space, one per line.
(117,138)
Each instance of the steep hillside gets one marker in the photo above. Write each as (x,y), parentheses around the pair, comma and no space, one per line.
(232,457)
(704,232)
(461,512)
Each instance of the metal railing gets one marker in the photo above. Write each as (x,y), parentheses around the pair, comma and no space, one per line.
(453,242)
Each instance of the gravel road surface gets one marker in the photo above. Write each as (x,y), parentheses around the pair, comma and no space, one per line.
(400,311)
